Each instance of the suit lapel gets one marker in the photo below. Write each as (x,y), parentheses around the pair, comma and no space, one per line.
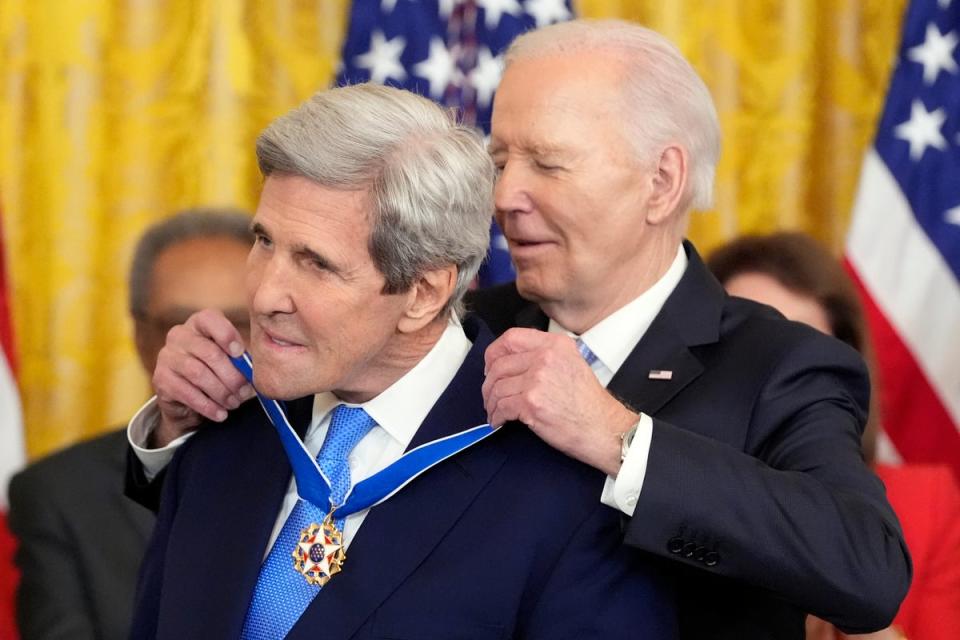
(660,349)
(251,479)
(399,534)
(666,346)
(659,352)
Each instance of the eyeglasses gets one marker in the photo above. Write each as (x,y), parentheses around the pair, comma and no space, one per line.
(163,323)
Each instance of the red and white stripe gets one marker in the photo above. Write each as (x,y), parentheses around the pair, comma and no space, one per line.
(12,455)
(912,301)
(11,430)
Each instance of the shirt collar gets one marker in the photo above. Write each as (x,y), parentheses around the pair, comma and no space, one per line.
(402,407)
(613,338)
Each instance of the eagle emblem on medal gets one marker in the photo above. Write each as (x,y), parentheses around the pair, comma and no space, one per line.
(320,554)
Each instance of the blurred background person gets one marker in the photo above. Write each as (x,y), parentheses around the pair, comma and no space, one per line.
(80,539)
(799,277)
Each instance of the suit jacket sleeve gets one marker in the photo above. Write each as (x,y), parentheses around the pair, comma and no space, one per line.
(146,611)
(138,488)
(795,511)
(51,598)
(601,589)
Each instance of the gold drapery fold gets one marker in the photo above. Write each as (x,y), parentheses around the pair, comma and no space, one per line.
(798,86)
(115,113)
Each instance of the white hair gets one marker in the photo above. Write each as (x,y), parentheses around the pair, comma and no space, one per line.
(430,179)
(665,100)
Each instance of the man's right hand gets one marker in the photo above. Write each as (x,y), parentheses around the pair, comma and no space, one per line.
(194,378)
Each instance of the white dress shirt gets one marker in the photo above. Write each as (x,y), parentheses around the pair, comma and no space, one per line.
(398,411)
(611,340)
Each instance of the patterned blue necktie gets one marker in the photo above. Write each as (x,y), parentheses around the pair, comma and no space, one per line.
(585,352)
(282,593)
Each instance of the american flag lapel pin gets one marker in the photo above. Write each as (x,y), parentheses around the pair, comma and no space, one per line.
(660,374)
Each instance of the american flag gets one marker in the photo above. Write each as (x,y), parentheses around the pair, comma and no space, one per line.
(11,452)
(11,429)
(904,243)
(450,51)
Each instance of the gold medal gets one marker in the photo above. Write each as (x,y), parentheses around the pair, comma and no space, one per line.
(320,554)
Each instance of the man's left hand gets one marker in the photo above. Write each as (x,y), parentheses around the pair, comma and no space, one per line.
(542,380)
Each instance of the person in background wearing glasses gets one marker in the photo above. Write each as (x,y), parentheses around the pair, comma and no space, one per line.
(798,277)
(80,539)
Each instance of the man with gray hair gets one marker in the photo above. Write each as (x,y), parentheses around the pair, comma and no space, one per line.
(372,222)
(80,539)
(729,437)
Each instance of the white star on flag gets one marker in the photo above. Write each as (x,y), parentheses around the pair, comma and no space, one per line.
(383,58)
(486,76)
(387,6)
(935,54)
(944,4)
(438,69)
(953,215)
(922,130)
(547,11)
(494,10)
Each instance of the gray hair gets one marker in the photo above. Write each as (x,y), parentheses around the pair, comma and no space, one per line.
(665,100)
(429,178)
(186,225)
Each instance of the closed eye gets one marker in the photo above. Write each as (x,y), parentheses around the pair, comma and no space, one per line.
(314,261)
(544,166)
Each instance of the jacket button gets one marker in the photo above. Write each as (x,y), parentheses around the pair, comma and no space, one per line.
(675,544)
(711,558)
(699,553)
(688,549)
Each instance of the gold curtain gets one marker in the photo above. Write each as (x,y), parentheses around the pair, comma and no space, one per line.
(115,113)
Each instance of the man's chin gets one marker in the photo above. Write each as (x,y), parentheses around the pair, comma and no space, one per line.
(531,287)
(276,387)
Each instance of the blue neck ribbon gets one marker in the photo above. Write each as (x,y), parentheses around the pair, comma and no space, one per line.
(314,487)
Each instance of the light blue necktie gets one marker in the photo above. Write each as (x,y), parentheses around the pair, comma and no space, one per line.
(585,352)
(282,593)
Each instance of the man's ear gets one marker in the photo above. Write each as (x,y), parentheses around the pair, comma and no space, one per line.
(427,297)
(669,184)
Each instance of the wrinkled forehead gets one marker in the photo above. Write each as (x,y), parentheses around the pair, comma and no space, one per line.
(557,86)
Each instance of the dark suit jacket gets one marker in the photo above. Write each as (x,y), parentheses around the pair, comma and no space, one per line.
(80,542)
(507,539)
(755,484)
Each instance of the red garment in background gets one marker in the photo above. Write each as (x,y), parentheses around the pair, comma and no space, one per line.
(926,498)
(8,582)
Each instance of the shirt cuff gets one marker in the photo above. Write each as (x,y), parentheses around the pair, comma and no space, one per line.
(138,435)
(622,492)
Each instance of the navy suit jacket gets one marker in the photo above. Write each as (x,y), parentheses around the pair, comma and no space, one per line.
(505,540)
(755,484)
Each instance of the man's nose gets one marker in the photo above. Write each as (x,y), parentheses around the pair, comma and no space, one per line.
(273,290)
(511,193)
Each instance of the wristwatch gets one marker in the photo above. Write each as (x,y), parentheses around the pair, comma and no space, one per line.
(626,439)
